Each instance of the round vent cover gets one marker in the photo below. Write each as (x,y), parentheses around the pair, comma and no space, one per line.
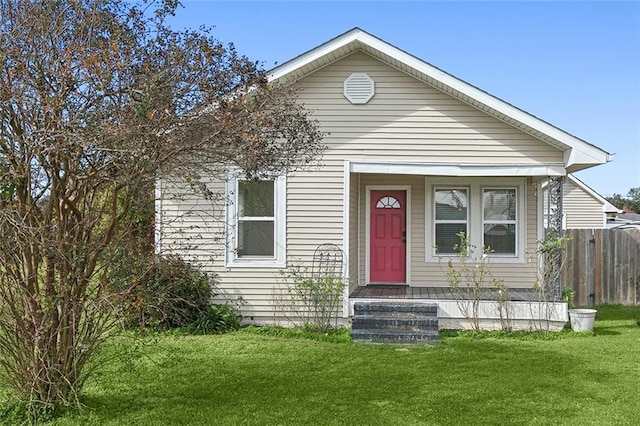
(359,88)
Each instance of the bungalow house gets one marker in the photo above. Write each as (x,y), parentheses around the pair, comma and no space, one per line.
(582,207)
(414,157)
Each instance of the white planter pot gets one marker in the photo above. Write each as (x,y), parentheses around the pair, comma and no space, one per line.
(582,319)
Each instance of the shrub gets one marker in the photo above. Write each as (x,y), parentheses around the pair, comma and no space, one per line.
(216,319)
(312,299)
(469,277)
(168,293)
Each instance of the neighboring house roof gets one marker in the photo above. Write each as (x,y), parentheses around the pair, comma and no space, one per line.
(634,217)
(607,207)
(578,154)
(624,221)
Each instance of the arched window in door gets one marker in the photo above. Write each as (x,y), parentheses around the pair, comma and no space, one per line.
(387,203)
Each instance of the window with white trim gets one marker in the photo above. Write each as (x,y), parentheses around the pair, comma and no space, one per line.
(490,214)
(451,217)
(255,222)
(499,225)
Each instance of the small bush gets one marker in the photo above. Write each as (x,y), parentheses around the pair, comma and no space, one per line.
(216,319)
(313,300)
(168,293)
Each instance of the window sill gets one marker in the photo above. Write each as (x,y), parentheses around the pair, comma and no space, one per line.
(491,260)
(256,264)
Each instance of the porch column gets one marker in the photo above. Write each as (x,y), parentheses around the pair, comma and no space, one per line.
(554,204)
(554,227)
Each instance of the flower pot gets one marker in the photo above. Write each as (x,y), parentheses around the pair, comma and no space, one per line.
(582,319)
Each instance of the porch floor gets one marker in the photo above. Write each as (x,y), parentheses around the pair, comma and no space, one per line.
(434,293)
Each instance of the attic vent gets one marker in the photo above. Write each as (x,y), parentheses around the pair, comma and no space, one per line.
(359,88)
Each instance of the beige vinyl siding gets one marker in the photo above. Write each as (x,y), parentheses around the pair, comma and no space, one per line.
(192,226)
(410,121)
(406,120)
(581,210)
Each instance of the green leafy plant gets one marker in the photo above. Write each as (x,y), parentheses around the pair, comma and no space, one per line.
(216,320)
(166,294)
(568,295)
(312,300)
(502,303)
(549,255)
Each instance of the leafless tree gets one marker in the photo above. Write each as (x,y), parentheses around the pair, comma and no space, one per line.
(97,97)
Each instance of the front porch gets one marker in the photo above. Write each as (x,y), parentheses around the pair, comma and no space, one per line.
(523,310)
(380,291)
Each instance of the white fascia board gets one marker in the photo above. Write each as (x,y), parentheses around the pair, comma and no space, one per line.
(579,151)
(575,156)
(313,55)
(446,169)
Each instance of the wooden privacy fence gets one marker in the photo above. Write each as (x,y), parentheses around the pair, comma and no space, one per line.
(603,265)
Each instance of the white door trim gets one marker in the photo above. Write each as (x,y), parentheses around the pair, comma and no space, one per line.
(367,256)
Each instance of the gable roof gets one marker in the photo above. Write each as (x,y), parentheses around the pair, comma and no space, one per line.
(607,207)
(578,154)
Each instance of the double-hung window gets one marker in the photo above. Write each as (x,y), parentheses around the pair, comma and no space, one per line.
(255,222)
(488,213)
(499,224)
(451,218)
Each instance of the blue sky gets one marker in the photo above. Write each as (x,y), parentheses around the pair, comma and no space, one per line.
(573,64)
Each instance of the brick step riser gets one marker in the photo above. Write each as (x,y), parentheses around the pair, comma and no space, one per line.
(375,314)
(422,310)
(374,337)
(396,323)
(399,341)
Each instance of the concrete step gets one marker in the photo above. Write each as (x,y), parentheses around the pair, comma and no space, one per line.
(394,336)
(395,323)
(395,308)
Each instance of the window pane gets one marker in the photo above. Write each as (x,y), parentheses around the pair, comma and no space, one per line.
(255,238)
(500,238)
(451,204)
(499,204)
(446,237)
(255,198)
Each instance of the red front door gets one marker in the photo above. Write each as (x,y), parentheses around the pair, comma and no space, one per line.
(387,237)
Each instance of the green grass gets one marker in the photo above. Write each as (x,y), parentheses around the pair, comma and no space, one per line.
(274,377)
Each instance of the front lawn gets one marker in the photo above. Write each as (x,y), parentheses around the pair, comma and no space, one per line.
(250,378)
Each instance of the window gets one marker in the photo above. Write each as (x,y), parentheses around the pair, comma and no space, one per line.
(499,220)
(451,218)
(388,203)
(490,215)
(255,219)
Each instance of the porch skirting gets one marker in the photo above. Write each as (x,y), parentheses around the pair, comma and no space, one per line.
(523,311)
